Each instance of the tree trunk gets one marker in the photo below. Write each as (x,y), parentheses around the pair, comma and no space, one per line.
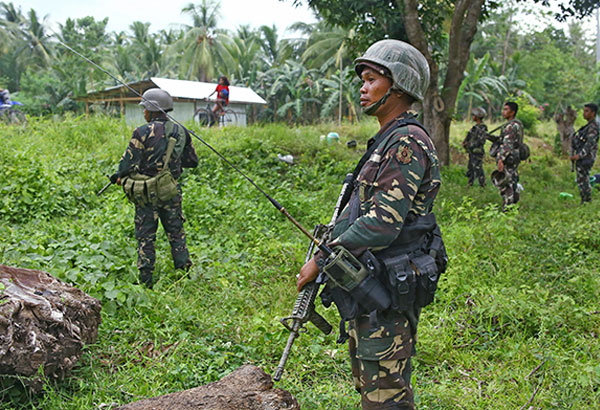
(438,106)
(564,123)
(506,43)
(44,323)
(247,388)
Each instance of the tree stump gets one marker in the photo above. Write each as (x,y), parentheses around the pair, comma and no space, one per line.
(44,324)
(564,123)
(247,388)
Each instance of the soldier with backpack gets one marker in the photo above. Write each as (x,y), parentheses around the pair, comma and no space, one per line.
(148,172)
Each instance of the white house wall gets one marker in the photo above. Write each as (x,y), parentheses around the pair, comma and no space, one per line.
(182,112)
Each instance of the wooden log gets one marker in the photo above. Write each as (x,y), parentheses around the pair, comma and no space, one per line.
(247,388)
(44,324)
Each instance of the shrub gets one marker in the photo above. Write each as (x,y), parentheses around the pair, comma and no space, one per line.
(528,114)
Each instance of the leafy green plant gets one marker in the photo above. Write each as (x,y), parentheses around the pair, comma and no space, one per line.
(520,292)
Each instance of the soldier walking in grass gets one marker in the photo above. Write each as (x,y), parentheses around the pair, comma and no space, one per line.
(155,150)
(584,147)
(389,217)
(474,144)
(506,177)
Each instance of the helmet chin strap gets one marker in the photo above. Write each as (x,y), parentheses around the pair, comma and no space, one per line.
(371,109)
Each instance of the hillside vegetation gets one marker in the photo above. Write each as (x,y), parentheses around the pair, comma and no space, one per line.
(515,323)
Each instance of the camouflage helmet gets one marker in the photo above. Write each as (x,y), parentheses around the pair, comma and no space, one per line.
(479,112)
(156,100)
(407,67)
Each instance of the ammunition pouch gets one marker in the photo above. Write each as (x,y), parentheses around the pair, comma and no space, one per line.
(413,269)
(402,277)
(144,190)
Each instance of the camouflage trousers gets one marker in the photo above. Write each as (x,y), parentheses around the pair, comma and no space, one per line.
(509,192)
(146,224)
(475,169)
(381,365)
(583,181)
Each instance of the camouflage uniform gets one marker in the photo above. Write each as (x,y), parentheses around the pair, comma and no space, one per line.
(510,138)
(145,154)
(474,143)
(585,144)
(402,177)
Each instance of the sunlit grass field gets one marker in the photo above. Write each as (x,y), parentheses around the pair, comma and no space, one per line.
(515,323)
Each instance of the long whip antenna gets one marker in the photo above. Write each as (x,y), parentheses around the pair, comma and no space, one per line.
(273,201)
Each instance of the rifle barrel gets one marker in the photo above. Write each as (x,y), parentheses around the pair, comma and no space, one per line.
(104,188)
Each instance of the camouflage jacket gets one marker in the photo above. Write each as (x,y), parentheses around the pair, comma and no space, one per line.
(147,148)
(401,176)
(510,138)
(475,139)
(585,141)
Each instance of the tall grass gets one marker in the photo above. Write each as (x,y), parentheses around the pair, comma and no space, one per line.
(515,320)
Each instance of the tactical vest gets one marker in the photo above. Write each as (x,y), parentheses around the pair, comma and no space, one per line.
(144,190)
(409,268)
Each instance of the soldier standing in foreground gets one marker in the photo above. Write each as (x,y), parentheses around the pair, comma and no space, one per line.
(584,146)
(474,143)
(389,217)
(155,148)
(506,177)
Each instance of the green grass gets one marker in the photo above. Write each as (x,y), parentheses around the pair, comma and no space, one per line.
(521,291)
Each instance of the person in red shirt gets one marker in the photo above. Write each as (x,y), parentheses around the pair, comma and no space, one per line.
(222,91)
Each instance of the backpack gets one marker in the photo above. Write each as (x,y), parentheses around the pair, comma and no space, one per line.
(524,151)
(144,190)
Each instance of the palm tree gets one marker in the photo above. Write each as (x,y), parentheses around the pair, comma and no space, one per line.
(246,51)
(202,47)
(148,50)
(349,94)
(297,88)
(25,43)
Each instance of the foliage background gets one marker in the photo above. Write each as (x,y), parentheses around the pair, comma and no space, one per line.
(550,65)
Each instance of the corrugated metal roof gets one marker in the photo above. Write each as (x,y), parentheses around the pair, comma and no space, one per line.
(199,90)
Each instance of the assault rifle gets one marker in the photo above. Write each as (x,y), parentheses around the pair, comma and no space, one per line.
(104,188)
(304,308)
(494,138)
(111,180)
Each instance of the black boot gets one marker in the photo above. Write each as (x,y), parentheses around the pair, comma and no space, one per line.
(146,278)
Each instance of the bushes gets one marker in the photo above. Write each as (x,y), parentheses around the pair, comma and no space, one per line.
(521,287)
(528,114)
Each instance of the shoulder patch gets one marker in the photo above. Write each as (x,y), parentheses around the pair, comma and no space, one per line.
(405,154)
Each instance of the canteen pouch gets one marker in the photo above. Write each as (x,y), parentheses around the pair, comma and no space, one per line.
(166,186)
(402,282)
(427,277)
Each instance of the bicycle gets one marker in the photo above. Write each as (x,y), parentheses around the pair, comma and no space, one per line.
(206,118)
(10,115)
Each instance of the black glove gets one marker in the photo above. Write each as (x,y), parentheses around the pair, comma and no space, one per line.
(113,178)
